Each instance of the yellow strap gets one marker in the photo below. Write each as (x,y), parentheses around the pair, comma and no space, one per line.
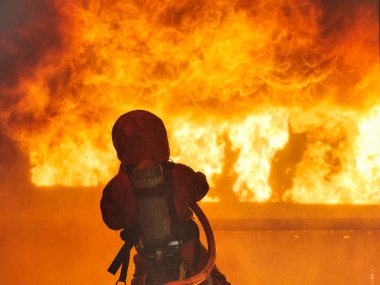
(182,271)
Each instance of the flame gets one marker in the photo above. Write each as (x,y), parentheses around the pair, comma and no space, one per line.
(275,99)
(336,159)
(257,139)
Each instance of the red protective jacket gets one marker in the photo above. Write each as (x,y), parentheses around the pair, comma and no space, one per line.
(118,204)
(138,136)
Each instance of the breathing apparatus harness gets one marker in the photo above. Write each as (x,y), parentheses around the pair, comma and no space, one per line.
(158,234)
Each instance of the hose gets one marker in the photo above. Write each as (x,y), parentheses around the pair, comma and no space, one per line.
(206,271)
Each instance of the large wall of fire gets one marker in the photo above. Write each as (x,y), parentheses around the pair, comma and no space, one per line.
(273,100)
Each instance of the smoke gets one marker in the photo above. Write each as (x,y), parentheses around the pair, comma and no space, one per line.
(29,30)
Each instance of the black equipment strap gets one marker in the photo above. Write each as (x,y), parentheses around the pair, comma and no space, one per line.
(122,258)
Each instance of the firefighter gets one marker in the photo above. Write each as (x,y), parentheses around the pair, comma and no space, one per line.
(149,201)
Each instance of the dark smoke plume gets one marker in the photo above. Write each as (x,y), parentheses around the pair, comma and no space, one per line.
(28,29)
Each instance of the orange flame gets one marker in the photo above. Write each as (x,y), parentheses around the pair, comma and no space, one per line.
(280,97)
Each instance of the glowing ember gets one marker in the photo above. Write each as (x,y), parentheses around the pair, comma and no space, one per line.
(278,96)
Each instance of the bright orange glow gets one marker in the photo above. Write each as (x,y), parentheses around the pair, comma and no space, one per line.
(286,92)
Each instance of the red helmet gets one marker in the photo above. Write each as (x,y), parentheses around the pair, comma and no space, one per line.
(140,135)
